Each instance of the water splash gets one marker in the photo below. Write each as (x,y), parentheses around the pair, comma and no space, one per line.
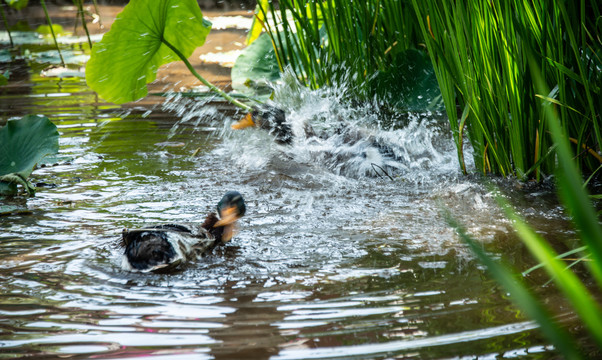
(351,140)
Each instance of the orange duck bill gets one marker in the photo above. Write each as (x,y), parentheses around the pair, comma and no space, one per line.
(245,122)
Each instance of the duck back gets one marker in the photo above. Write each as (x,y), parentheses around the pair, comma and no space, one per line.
(148,249)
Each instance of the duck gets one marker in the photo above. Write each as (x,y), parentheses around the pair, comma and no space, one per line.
(164,247)
(356,148)
(270,119)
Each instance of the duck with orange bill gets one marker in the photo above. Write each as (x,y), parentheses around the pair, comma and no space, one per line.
(164,247)
(270,119)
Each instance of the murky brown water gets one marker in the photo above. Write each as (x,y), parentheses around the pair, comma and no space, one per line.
(324,265)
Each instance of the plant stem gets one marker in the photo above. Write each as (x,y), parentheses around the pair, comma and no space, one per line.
(214,88)
(80,8)
(43,3)
(10,37)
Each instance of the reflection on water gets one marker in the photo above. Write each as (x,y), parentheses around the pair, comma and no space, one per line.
(324,265)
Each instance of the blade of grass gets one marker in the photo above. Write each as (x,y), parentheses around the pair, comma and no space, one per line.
(561,256)
(574,197)
(520,295)
(582,301)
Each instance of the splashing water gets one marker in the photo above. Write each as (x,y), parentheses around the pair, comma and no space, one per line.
(339,138)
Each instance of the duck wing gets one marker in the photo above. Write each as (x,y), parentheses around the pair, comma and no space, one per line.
(163,247)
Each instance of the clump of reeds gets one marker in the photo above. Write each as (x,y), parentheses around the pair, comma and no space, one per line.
(326,42)
(576,201)
(480,51)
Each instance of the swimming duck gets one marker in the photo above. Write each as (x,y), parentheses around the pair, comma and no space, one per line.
(355,149)
(163,247)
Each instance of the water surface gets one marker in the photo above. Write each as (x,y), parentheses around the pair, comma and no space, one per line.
(328,263)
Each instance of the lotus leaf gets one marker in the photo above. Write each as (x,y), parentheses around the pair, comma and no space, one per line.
(129,55)
(24,143)
(257,64)
(47,30)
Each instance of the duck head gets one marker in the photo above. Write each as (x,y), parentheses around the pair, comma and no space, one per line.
(230,208)
(268,118)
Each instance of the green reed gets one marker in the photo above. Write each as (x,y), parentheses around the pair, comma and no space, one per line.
(326,42)
(577,203)
(479,50)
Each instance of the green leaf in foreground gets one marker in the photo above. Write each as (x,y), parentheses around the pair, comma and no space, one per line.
(24,143)
(129,55)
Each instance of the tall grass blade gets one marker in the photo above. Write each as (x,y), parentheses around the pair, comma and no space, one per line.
(521,296)
(582,301)
(575,198)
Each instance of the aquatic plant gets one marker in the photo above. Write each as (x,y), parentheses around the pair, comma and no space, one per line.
(4,78)
(50,29)
(370,46)
(23,144)
(479,51)
(256,68)
(144,36)
(577,203)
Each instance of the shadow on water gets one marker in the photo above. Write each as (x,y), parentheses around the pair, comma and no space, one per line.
(325,265)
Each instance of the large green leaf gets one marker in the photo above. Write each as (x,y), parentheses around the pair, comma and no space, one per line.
(23,143)
(255,67)
(410,83)
(129,55)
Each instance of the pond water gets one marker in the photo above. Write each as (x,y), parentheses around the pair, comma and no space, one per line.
(327,263)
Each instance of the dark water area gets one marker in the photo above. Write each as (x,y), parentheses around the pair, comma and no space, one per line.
(325,264)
